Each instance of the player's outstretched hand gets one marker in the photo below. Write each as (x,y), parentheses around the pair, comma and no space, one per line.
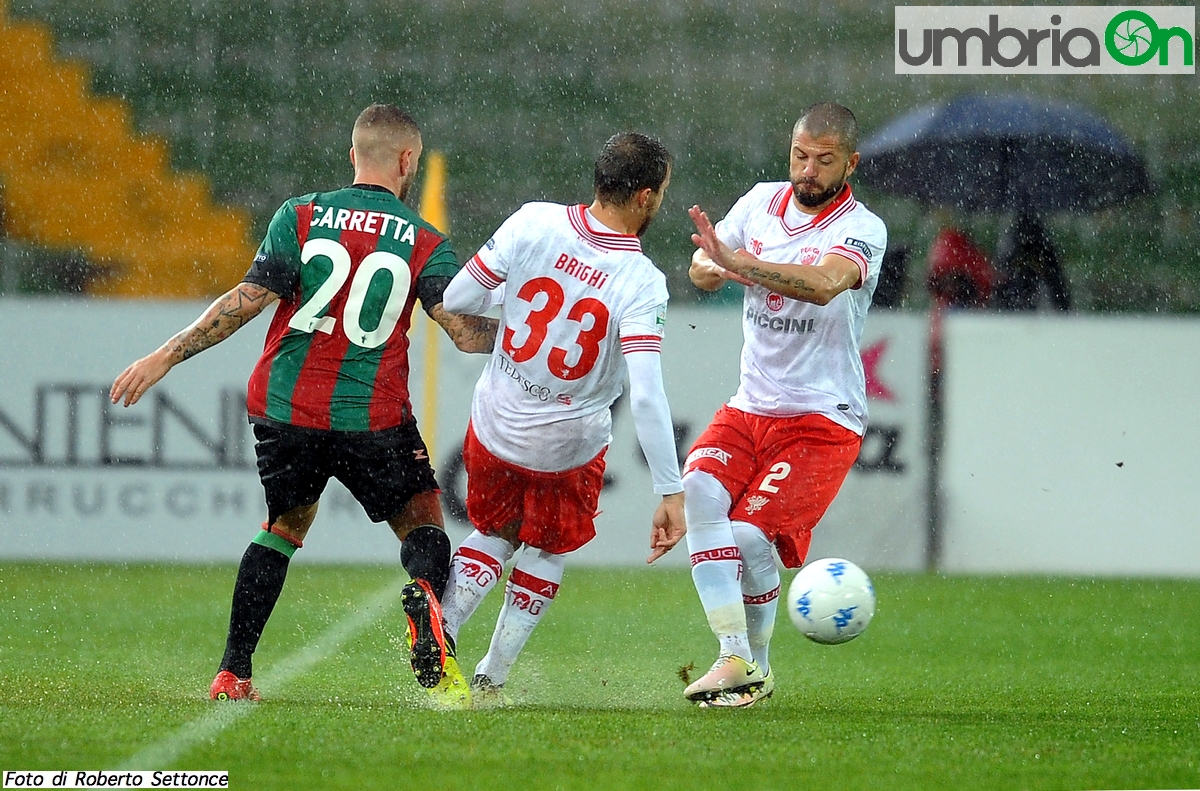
(713,262)
(135,380)
(668,526)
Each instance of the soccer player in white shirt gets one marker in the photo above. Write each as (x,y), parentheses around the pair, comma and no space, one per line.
(772,460)
(581,306)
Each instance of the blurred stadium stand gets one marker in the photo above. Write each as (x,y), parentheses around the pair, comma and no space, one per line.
(77,177)
(258,96)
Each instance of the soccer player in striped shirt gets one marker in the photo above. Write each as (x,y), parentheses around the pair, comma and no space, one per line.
(581,306)
(329,396)
(773,458)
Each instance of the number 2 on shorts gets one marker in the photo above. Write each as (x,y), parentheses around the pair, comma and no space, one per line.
(779,471)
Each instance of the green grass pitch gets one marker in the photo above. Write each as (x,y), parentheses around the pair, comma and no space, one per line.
(997,683)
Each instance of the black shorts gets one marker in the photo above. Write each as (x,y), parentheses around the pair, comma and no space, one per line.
(382,469)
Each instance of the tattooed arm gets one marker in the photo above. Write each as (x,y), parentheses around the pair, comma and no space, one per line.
(223,318)
(469,333)
(818,284)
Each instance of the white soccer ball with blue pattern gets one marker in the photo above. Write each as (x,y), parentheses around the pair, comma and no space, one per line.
(831,600)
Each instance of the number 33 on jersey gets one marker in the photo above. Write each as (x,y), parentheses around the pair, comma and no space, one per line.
(348,266)
(577,296)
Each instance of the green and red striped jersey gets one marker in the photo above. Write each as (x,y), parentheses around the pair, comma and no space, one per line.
(348,266)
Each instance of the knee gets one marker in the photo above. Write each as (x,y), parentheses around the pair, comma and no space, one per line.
(755,547)
(704,498)
(295,523)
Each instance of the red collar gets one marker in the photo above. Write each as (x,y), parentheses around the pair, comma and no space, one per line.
(843,202)
(605,240)
(840,200)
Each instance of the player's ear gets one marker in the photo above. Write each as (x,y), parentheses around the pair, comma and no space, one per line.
(353,163)
(852,164)
(408,160)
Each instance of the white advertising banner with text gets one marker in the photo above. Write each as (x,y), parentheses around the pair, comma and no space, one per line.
(173,478)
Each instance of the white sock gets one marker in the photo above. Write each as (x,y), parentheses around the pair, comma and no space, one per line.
(476,567)
(716,562)
(760,589)
(532,585)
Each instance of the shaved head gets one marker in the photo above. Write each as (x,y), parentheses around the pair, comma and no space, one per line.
(381,132)
(830,120)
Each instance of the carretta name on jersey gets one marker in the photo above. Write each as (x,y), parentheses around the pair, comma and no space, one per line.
(585,273)
(375,222)
(779,323)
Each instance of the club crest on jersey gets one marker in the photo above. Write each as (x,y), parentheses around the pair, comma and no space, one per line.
(708,453)
(774,301)
(860,246)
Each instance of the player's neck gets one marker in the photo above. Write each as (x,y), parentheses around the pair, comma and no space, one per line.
(367,176)
(617,219)
(811,212)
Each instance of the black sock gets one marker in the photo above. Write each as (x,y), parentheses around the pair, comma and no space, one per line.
(425,554)
(259,582)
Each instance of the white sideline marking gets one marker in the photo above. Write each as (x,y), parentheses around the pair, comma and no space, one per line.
(164,752)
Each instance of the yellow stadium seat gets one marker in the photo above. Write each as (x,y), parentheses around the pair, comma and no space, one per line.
(77,176)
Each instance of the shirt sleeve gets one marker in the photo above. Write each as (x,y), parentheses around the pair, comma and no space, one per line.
(276,266)
(465,294)
(490,266)
(652,420)
(643,323)
(442,262)
(862,243)
(730,229)
(440,268)
(431,290)
(641,330)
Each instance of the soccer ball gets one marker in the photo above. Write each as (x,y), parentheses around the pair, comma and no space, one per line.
(831,601)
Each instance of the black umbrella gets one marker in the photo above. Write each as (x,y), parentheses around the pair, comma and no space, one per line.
(1001,152)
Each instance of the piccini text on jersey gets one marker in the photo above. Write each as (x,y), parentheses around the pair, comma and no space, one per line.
(780,323)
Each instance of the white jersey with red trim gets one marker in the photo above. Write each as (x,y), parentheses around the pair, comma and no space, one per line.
(577,297)
(801,358)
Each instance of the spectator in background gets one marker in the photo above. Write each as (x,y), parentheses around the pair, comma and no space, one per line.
(893,277)
(959,274)
(1025,259)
